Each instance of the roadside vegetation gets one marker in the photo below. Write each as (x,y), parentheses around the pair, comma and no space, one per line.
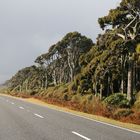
(101,78)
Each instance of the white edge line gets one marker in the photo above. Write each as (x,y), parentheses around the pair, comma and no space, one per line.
(115,126)
(80,135)
(38,115)
(21,107)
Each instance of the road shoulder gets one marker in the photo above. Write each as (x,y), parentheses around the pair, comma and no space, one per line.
(125,126)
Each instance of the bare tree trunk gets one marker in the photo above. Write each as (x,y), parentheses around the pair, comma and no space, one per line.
(130,81)
(71,69)
(94,85)
(26,86)
(42,84)
(108,86)
(123,69)
(101,91)
(20,88)
(71,65)
(134,76)
(111,87)
(60,78)
(46,81)
(122,85)
(71,73)
(54,78)
(95,88)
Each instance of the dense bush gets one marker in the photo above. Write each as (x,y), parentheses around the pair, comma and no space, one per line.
(65,97)
(118,100)
(76,98)
(137,106)
(122,113)
(32,93)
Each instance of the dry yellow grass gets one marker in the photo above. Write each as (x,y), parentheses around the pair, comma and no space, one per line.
(81,114)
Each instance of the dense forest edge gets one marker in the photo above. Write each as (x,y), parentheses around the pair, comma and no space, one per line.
(101,78)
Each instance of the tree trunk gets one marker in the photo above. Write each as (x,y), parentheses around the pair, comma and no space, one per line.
(101,91)
(130,81)
(134,76)
(122,85)
(54,78)
(111,87)
(42,84)
(95,88)
(70,64)
(26,86)
(20,88)
(123,69)
(108,86)
(46,81)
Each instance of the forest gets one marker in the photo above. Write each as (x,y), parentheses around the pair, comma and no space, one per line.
(101,77)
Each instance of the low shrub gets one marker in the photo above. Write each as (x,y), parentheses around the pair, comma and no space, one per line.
(138,96)
(99,108)
(32,93)
(65,97)
(117,100)
(72,88)
(132,118)
(119,113)
(90,97)
(137,106)
(76,98)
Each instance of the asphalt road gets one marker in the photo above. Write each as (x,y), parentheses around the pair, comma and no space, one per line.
(20,120)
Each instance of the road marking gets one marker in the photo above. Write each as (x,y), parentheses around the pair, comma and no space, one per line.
(100,122)
(38,115)
(81,135)
(12,103)
(21,107)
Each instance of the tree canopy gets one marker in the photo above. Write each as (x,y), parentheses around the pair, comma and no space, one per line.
(111,65)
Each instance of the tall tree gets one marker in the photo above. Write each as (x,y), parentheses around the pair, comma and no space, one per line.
(125,21)
(62,59)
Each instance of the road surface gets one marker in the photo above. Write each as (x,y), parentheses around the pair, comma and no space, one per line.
(20,120)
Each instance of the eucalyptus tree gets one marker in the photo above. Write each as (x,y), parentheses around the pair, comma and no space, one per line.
(73,46)
(125,22)
(62,59)
(25,79)
(101,66)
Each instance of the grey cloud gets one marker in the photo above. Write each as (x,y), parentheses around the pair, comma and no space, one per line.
(29,27)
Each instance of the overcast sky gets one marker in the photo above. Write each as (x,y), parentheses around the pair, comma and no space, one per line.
(29,27)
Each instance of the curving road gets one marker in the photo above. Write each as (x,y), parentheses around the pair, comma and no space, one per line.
(20,120)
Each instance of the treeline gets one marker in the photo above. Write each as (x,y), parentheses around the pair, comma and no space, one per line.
(59,65)
(111,65)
